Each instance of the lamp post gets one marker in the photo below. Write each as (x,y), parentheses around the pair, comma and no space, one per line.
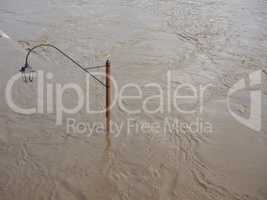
(108,96)
(27,73)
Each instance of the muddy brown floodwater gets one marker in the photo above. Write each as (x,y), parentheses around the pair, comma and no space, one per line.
(199,42)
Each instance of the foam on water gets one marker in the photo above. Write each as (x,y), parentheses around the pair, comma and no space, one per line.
(3,34)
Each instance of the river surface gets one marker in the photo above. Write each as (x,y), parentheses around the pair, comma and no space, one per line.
(199,42)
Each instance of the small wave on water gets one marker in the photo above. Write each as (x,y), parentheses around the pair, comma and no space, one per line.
(3,34)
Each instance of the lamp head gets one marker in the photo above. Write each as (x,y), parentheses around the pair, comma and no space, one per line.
(27,73)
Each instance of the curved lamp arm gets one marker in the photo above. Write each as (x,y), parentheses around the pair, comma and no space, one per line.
(27,66)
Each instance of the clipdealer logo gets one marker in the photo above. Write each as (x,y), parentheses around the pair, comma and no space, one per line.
(254,120)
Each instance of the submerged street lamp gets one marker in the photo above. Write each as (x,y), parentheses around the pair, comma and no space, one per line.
(28,72)
(28,76)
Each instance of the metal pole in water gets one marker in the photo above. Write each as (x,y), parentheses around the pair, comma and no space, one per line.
(108,96)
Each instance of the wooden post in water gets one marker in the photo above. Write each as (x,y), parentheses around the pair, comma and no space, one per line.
(108,96)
